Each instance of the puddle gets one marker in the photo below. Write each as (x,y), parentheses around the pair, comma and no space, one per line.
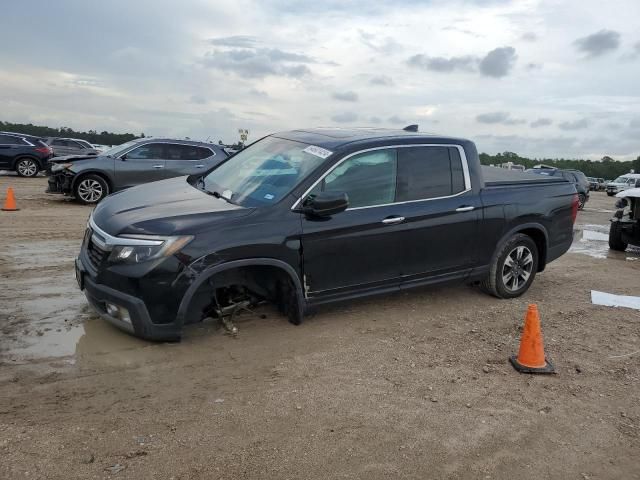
(593,240)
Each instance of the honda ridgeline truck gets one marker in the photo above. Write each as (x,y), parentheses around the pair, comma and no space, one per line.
(307,217)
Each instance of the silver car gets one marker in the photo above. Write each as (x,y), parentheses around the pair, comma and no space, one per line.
(70,146)
(91,178)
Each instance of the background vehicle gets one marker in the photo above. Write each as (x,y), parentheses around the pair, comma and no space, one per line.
(25,154)
(602,184)
(574,176)
(70,146)
(307,217)
(596,184)
(622,183)
(90,178)
(625,225)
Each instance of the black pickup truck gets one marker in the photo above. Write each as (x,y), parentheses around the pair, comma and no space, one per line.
(306,217)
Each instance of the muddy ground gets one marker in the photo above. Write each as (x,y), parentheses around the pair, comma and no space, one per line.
(411,385)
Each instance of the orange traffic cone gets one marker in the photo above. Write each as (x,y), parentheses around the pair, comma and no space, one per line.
(10,202)
(531,358)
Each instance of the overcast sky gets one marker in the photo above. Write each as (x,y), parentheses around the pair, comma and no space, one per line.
(541,78)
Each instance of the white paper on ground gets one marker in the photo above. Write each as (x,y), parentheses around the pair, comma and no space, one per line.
(611,300)
(591,235)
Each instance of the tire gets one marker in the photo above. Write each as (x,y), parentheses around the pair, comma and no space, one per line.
(90,189)
(27,167)
(615,238)
(522,252)
(582,199)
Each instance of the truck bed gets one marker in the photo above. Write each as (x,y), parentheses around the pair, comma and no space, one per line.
(498,177)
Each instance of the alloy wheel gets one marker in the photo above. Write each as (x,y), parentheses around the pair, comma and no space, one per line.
(27,168)
(90,190)
(517,268)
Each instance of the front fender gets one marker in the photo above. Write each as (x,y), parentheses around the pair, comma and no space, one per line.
(216,269)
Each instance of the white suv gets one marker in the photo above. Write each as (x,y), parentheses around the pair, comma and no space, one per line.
(624,182)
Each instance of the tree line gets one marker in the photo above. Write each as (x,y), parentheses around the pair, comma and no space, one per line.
(607,168)
(92,136)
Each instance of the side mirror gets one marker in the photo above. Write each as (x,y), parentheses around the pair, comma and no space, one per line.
(325,204)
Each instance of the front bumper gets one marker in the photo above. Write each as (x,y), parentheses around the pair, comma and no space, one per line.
(140,325)
(60,183)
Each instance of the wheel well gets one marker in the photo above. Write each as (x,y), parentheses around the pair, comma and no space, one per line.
(540,240)
(97,174)
(253,283)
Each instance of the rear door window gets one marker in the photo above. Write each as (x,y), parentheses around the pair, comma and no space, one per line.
(186,152)
(10,140)
(429,172)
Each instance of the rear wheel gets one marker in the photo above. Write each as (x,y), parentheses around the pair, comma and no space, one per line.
(90,189)
(513,269)
(582,199)
(27,167)
(615,238)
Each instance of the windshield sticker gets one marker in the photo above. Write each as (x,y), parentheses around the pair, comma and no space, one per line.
(268,196)
(318,151)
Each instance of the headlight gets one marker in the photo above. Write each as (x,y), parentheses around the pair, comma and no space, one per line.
(148,247)
(56,167)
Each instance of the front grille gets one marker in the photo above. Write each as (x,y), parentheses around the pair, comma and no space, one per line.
(95,253)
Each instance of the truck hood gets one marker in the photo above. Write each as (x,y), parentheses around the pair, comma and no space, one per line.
(167,207)
(629,193)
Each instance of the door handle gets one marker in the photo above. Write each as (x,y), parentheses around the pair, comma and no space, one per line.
(392,220)
(199,166)
(158,166)
(465,209)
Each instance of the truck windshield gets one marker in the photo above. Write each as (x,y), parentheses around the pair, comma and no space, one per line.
(621,180)
(263,173)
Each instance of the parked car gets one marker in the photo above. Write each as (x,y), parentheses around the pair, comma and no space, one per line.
(307,217)
(25,154)
(574,176)
(596,184)
(625,225)
(622,183)
(91,178)
(70,146)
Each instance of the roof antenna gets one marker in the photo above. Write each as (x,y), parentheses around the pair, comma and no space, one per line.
(411,128)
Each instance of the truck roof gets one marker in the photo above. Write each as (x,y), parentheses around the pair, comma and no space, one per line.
(332,138)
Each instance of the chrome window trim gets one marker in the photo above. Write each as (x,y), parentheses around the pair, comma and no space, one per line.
(463,159)
(142,144)
(107,242)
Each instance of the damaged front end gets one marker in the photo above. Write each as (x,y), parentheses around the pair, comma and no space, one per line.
(60,182)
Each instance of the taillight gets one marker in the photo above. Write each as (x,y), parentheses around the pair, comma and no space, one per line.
(45,150)
(574,207)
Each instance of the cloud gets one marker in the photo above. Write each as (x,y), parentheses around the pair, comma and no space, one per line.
(240,41)
(574,125)
(635,124)
(534,66)
(442,64)
(198,99)
(258,93)
(259,62)
(502,118)
(598,43)
(381,80)
(396,120)
(498,62)
(345,117)
(348,96)
(541,122)
(385,46)
(529,36)
(375,120)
